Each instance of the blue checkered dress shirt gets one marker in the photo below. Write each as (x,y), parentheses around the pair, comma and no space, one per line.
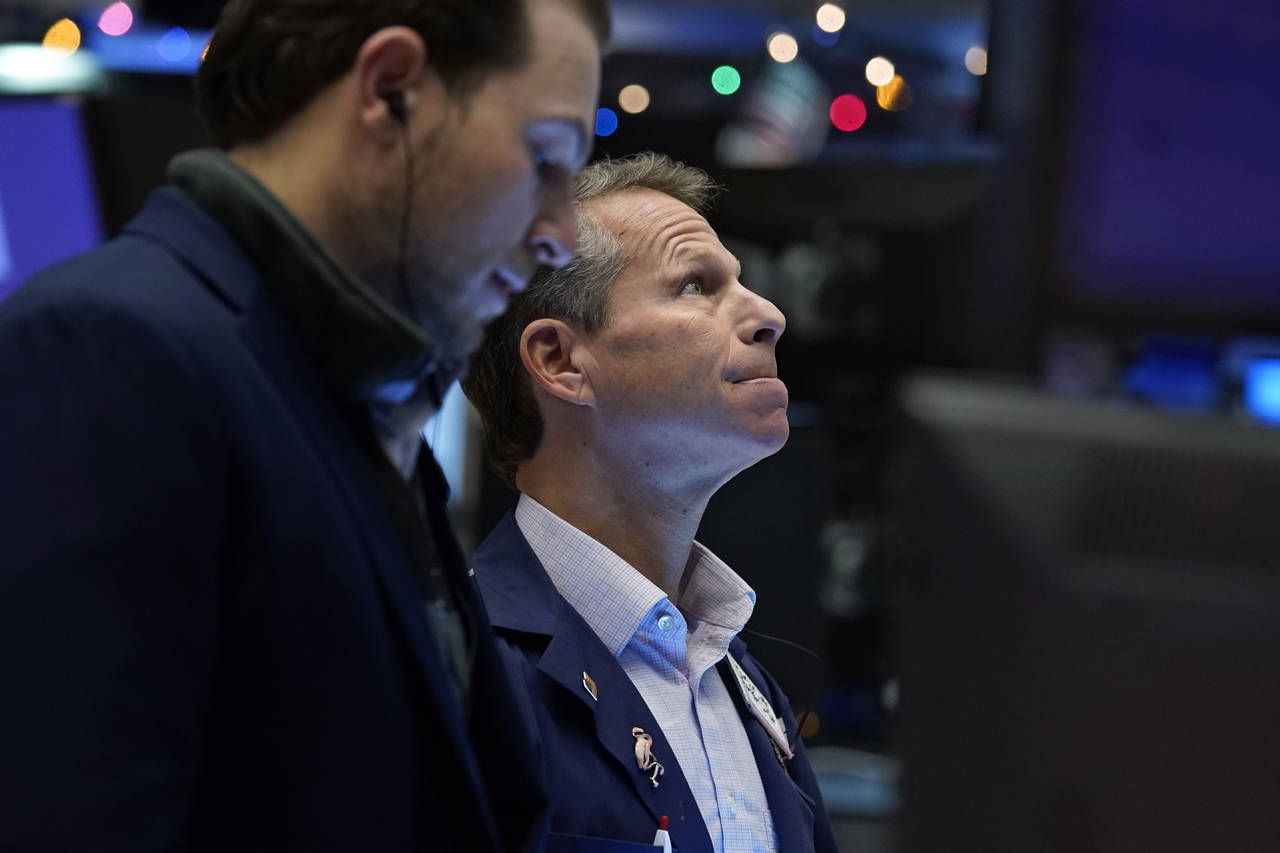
(666,650)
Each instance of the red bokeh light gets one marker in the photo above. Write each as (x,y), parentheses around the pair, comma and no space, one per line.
(848,113)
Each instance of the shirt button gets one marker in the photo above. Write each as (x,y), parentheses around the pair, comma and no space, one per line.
(666,622)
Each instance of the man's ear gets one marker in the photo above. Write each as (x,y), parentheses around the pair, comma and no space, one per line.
(394,59)
(551,353)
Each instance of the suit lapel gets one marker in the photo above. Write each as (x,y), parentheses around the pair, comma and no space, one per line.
(573,650)
(792,813)
(332,440)
(520,596)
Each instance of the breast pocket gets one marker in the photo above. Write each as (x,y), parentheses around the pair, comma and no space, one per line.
(560,843)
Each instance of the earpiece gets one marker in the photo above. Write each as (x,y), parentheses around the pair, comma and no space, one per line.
(395,105)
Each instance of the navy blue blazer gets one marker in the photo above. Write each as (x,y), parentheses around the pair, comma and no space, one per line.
(584,745)
(210,636)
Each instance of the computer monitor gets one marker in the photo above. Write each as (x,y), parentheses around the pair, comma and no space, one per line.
(48,203)
(1089,626)
(1145,189)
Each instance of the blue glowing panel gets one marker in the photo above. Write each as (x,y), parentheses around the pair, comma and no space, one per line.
(48,205)
(150,50)
(1262,389)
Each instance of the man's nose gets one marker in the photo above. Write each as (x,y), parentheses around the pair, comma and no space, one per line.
(765,323)
(554,234)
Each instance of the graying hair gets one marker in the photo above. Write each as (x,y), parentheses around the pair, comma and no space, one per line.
(577,293)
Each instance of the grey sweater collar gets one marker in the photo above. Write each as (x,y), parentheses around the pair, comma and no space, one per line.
(360,344)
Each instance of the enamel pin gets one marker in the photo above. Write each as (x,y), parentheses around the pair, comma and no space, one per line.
(589,683)
(644,755)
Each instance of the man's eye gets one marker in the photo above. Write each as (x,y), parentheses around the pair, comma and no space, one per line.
(691,288)
(544,164)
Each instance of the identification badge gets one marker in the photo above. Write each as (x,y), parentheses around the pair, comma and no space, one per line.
(760,708)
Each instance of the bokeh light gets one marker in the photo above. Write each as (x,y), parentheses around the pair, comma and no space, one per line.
(895,95)
(726,80)
(975,59)
(175,45)
(634,98)
(606,121)
(116,19)
(830,17)
(879,71)
(63,37)
(848,113)
(824,38)
(1262,389)
(783,47)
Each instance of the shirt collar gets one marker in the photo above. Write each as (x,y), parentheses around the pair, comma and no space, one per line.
(611,596)
(714,593)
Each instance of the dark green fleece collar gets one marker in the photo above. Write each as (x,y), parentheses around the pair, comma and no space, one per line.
(357,340)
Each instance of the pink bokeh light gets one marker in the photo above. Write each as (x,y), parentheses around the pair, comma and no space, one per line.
(116,19)
(848,113)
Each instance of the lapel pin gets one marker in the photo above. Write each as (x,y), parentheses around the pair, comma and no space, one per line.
(589,683)
(644,755)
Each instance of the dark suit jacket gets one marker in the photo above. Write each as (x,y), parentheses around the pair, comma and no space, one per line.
(585,746)
(210,637)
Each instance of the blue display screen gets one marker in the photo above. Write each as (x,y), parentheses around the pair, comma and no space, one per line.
(48,204)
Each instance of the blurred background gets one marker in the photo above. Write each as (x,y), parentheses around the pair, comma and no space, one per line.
(1029,254)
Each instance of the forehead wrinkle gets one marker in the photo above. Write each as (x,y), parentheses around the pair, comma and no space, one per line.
(633,213)
(685,240)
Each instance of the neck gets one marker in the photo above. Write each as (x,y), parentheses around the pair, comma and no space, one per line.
(624,507)
(279,171)
(341,210)
(622,500)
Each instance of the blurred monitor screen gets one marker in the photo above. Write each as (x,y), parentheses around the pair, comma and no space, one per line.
(48,205)
(1170,179)
(1091,627)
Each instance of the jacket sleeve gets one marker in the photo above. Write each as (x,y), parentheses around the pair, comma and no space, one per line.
(110,499)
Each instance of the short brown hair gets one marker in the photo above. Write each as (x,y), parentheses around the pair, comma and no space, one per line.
(578,294)
(269,58)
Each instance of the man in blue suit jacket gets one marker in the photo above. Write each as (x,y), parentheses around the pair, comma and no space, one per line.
(618,394)
(233,615)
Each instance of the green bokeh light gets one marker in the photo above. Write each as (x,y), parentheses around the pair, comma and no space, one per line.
(726,79)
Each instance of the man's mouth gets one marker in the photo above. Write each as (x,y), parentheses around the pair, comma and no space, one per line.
(754,376)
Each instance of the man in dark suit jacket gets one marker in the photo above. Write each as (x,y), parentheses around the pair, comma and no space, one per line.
(618,394)
(233,615)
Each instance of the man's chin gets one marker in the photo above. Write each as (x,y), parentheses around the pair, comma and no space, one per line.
(764,441)
(777,440)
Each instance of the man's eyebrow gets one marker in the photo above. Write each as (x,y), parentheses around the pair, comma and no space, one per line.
(701,256)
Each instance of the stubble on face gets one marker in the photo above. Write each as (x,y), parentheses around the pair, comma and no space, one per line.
(477,190)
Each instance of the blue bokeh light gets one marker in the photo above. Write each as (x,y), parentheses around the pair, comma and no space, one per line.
(175,45)
(824,38)
(1262,389)
(606,121)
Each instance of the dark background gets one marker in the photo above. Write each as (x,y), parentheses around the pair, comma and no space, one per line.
(1097,215)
